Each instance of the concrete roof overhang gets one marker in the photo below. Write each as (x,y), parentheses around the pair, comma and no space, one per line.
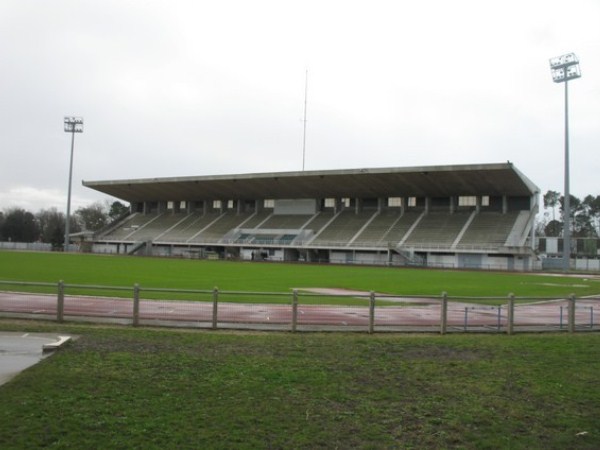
(425,181)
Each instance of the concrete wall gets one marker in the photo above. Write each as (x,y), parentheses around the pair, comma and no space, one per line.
(35,246)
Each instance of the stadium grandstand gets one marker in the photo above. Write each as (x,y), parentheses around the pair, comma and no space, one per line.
(459,216)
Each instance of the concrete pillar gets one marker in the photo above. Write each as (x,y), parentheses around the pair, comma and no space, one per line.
(338,205)
(358,204)
(452,204)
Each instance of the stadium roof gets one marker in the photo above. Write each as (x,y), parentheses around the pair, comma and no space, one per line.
(426,181)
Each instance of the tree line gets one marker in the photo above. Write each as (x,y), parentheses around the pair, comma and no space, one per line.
(48,225)
(584,214)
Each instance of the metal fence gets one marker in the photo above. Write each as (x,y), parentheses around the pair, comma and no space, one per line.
(296,310)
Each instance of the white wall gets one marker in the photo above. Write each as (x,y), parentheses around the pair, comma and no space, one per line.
(587,264)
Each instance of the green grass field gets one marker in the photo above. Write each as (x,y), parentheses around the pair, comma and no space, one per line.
(278,277)
(161,389)
(122,387)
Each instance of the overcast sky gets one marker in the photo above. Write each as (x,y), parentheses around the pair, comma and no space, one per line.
(184,88)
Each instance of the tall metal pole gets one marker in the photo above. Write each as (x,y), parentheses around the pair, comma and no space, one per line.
(304,134)
(567,202)
(72,125)
(563,69)
(67,223)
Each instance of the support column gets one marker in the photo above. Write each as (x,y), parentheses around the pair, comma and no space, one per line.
(358,205)
(337,205)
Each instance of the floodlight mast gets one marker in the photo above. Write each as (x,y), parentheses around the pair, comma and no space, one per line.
(304,132)
(563,69)
(72,125)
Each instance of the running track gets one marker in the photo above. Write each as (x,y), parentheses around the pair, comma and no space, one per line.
(425,317)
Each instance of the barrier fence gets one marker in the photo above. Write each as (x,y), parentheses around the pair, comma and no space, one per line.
(296,310)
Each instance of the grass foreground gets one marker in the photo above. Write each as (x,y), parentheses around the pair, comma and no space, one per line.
(148,388)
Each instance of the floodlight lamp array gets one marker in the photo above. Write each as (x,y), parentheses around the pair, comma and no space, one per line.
(73,124)
(565,68)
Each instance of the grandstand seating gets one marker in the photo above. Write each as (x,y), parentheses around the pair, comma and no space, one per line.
(285,222)
(400,227)
(258,218)
(437,229)
(318,221)
(129,226)
(155,227)
(183,230)
(369,228)
(220,226)
(480,215)
(489,229)
(344,227)
(377,228)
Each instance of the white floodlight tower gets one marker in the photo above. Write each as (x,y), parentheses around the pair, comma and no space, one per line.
(565,68)
(72,125)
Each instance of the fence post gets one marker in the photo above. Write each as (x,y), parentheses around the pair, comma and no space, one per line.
(371,312)
(136,304)
(572,313)
(510,314)
(215,307)
(60,302)
(294,310)
(444,313)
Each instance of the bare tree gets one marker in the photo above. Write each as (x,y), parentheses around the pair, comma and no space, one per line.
(93,217)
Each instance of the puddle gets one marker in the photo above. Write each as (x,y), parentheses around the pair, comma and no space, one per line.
(18,351)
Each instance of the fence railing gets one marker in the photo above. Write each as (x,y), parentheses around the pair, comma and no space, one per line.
(296,310)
